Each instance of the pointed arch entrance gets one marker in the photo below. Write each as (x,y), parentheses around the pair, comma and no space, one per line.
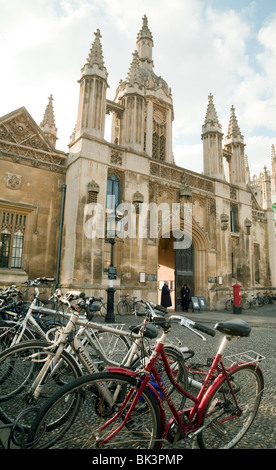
(179,266)
(175,265)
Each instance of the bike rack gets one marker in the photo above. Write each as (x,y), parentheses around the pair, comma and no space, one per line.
(247,357)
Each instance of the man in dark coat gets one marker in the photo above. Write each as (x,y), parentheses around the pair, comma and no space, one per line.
(185,297)
(166,296)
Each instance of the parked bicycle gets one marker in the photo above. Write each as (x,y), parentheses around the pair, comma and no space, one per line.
(127,306)
(32,371)
(20,321)
(122,409)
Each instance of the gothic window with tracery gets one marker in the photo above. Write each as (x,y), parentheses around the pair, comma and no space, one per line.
(159,135)
(12,239)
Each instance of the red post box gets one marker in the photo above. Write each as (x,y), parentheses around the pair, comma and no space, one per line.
(237,304)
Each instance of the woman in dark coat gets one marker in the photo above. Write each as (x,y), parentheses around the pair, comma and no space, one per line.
(185,297)
(166,296)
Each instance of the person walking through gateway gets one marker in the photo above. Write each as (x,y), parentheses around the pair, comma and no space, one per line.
(185,297)
(166,295)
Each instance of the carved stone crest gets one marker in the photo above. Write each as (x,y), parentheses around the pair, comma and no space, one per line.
(13,181)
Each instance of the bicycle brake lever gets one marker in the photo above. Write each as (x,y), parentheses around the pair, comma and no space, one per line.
(185,322)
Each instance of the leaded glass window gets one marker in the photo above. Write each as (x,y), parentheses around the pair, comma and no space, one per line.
(13,226)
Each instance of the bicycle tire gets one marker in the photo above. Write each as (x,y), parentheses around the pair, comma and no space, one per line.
(23,362)
(9,330)
(103,310)
(139,307)
(81,430)
(115,346)
(229,305)
(179,371)
(255,302)
(245,304)
(226,432)
(123,307)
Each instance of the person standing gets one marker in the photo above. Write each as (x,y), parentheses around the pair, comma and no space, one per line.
(185,298)
(166,296)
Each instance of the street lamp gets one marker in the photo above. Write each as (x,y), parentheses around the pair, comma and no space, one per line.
(112,229)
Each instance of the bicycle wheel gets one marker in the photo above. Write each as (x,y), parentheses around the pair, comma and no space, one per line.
(19,366)
(245,304)
(226,425)
(229,304)
(179,371)
(115,346)
(83,428)
(103,310)
(122,307)
(255,302)
(8,331)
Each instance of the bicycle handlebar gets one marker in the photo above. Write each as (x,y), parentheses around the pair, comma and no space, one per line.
(204,329)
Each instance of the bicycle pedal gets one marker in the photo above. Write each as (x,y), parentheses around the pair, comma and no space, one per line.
(218,428)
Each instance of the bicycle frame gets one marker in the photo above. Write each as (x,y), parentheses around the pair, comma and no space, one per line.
(189,420)
(29,320)
(75,345)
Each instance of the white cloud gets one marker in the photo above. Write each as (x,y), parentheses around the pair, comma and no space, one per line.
(198,49)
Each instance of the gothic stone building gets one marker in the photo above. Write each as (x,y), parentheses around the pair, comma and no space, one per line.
(48,196)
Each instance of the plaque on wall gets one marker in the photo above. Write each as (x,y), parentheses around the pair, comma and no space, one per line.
(112,272)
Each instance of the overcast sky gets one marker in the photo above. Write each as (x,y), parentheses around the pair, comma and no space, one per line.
(223,47)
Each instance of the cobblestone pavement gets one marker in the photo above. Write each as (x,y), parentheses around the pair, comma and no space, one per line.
(262,434)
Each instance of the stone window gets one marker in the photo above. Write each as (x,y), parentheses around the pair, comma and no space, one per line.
(107,255)
(92,192)
(112,192)
(234,218)
(257,263)
(13,226)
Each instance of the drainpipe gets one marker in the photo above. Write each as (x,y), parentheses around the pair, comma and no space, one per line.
(63,187)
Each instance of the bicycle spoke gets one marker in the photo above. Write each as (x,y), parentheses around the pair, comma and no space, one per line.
(91,425)
(225,423)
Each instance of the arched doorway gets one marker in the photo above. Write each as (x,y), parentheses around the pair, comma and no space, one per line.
(175,265)
(184,271)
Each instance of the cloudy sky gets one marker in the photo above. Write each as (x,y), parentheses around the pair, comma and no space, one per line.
(223,47)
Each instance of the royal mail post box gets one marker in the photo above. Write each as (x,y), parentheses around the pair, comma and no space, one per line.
(237,304)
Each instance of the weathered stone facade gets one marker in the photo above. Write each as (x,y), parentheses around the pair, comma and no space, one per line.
(231,234)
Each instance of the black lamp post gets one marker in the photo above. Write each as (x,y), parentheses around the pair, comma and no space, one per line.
(111,229)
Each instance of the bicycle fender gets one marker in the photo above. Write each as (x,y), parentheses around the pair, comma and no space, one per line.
(121,370)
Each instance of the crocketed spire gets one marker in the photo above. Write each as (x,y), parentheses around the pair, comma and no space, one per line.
(144,31)
(141,68)
(96,54)
(49,118)
(134,74)
(233,127)
(211,114)
(47,124)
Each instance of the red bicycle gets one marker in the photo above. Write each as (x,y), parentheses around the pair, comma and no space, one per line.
(125,409)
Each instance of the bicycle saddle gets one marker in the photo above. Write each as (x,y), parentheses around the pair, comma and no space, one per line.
(233,328)
(149,330)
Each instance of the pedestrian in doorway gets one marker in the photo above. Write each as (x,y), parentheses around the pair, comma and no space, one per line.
(185,298)
(166,296)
